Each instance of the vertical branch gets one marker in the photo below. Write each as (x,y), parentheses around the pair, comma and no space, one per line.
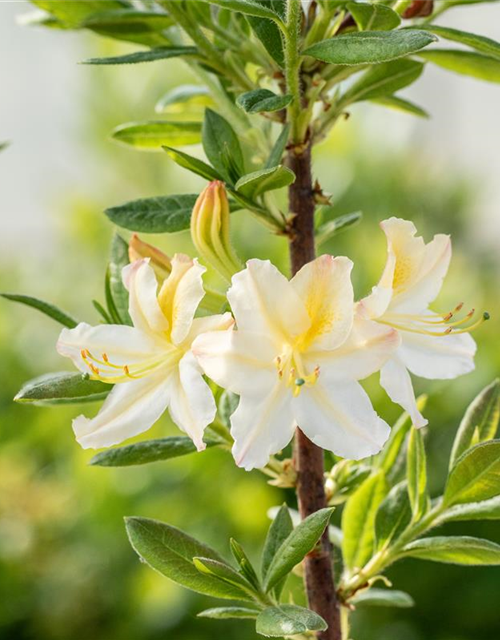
(309,460)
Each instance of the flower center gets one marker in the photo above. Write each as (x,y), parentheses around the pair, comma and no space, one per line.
(440,325)
(106,371)
(291,369)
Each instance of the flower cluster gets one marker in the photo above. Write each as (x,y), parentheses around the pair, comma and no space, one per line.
(292,350)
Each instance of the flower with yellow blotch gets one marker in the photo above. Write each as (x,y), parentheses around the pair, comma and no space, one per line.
(151,364)
(434,346)
(295,359)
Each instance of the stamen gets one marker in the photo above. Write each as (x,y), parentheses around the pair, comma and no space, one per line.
(478,323)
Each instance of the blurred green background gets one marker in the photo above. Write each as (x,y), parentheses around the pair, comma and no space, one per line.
(66,569)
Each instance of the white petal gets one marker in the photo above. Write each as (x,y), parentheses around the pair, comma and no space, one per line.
(262,428)
(340,418)
(324,285)
(240,361)
(192,405)
(131,408)
(264,301)
(366,350)
(376,303)
(122,344)
(437,357)
(140,280)
(396,380)
(180,295)
(207,324)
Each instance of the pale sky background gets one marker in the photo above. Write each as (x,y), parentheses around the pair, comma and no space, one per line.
(40,112)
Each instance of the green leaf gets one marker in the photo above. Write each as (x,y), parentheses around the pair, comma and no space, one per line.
(269,33)
(480,422)
(258,182)
(330,229)
(163,214)
(170,551)
(150,55)
(358,520)
(383,80)
(261,100)
(183,95)
(416,470)
(479,43)
(383,598)
(455,550)
(288,620)
(226,574)
(152,136)
(467,63)
(146,452)
(399,104)
(117,291)
(485,510)
(276,155)
(221,146)
(193,164)
(246,567)
(48,309)
(249,8)
(296,546)
(228,404)
(373,17)
(281,527)
(475,476)
(62,388)
(74,13)
(124,20)
(370,47)
(229,613)
(393,515)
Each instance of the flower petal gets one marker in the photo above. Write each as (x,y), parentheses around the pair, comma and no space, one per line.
(324,285)
(437,357)
(376,303)
(262,428)
(131,408)
(206,324)
(240,361)
(123,345)
(140,280)
(192,405)
(396,380)
(365,351)
(180,295)
(340,418)
(264,301)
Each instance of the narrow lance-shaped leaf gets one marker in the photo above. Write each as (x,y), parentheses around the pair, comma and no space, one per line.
(479,43)
(150,55)
(260,100)
(226,574)
(393,515)
(475,476)
(370,47)
(229,613)
(330,229)
(170,551)
(278,149)
(221,146)
(45,307)
(484,510)
(288,620)
(281,527)
(163,214)
(250,8)
(73,14)
(117,291)
(193,164)
(62,388)
(296,546)
(152,136)
(383,598)
(258,182)
(400,104)
(468,63)
(455,550)
(373,17)
(480,422)
(416,470)
(246,567)
(358,520)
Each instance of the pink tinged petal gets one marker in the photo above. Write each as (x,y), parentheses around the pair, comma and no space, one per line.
(396,380)
(325,287)
(140,280)
(264,301)
(180,295)
(261,428)
(192,405)
(130,409)
(340,418)
(123,345)
(365,351)
(438,357)
(240,361)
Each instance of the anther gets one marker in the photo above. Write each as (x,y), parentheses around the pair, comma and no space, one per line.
(105,357)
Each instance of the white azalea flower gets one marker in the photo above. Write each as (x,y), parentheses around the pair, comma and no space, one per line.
(151,363)
(431,346)
(295,359)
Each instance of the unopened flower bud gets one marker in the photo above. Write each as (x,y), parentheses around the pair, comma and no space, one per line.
(138,250)
(210,230)
(418,9)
